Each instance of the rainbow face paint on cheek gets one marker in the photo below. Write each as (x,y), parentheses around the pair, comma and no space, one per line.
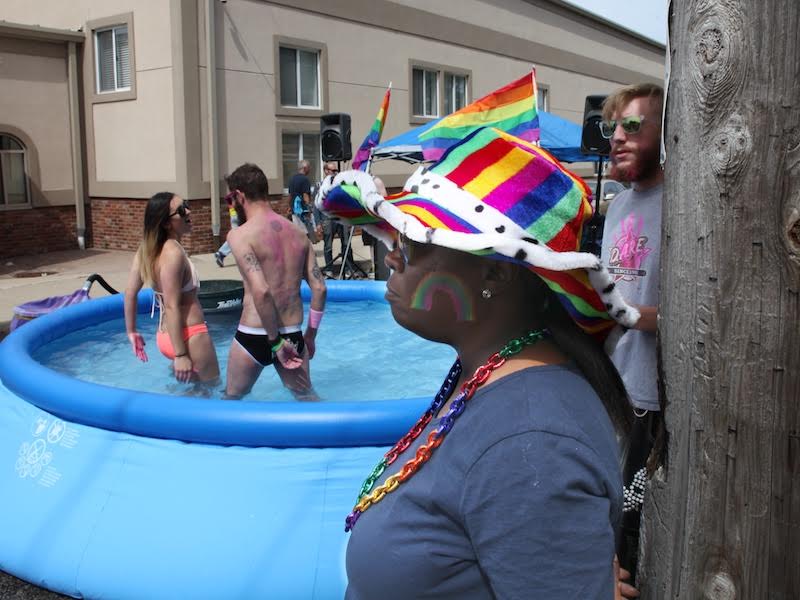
(450,286)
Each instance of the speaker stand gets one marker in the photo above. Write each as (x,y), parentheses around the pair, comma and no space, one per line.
(354,265)
(347,262)
(593,232)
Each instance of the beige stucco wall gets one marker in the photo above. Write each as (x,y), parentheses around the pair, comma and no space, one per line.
(362,58)
(130,144)
(245,88)
(152,21)
(551,25)
(160,137)
(34,106)
(554,26)
(134,140)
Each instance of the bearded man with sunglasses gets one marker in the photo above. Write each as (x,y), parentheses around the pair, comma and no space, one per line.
(273,257)
(631,252)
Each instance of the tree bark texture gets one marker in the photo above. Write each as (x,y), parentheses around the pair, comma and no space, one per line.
(722,518)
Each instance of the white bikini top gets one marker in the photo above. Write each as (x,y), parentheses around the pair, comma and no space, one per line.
(194,280)
(158,297)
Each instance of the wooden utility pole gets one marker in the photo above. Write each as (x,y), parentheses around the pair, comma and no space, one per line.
(722,519)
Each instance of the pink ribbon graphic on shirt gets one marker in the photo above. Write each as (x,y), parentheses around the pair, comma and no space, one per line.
(630,247)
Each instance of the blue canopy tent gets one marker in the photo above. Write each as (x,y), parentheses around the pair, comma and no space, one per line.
(560,137)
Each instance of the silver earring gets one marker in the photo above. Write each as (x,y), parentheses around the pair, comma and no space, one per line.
(487,293)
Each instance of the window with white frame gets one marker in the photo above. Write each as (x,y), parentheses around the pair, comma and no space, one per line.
(13,173)
(112,58)
(455,92)
(295,147)
(425,92)
(542,98)
(299,75)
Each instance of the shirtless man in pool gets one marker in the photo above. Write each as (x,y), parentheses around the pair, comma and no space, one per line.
(273,257)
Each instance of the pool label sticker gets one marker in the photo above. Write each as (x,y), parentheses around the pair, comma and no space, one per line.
(35,456)
(226,304)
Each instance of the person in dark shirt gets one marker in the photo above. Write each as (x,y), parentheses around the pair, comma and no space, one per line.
(300,196)
(509,485)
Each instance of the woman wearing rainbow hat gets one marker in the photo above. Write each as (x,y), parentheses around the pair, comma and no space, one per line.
(509,485)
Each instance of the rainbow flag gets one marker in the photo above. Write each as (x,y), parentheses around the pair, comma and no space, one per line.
(511,109)
(374,136)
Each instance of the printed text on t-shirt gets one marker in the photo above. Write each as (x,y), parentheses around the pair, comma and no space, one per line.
(628,250)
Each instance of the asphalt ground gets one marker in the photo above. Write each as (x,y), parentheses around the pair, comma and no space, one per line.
(12,588)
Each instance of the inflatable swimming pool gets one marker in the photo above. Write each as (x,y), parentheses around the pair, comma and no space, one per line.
(109,493)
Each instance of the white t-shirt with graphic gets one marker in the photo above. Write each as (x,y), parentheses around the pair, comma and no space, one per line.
(632,252)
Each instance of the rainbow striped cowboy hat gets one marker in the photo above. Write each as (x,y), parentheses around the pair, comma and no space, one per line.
(494,195)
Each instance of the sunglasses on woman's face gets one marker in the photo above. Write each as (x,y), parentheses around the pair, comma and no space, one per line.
(181,210)
(630,125)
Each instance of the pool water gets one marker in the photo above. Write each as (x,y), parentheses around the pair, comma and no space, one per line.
(362,355)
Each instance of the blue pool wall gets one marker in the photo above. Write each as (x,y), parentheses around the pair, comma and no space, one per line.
(93,513)
(191,419)
(109,493)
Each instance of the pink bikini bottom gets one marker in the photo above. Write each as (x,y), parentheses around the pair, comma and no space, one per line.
(164,342)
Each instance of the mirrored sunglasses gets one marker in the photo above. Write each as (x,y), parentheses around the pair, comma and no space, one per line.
(630,125)
(180,211)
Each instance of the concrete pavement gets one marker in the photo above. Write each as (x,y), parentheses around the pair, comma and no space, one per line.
(34,277)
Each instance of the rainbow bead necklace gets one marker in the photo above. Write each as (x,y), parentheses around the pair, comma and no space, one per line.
(367,496)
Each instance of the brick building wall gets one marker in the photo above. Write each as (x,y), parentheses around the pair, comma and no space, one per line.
(112,224)
(38,230)
(117,223)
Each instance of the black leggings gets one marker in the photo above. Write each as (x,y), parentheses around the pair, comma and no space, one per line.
(640,443)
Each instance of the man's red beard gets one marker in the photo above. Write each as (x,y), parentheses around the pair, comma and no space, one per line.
(644,165)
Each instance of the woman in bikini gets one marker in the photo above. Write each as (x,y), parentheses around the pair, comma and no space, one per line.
(162,263)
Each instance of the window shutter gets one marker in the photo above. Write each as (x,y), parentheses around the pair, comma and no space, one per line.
(460,92)
(123,58)
(311,152)
(105,60)
(9,143)
(288,66)
(541,99)
(15,180)
(309,78)
(418,104)
(431,94)
(290,143)
(449,94)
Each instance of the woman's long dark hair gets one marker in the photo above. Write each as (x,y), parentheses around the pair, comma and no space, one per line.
(587,354)
(155,234)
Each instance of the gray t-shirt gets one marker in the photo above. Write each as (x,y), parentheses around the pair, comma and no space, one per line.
(632,251)
(521,500)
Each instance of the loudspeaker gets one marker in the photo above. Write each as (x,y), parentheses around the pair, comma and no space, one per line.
(334,132)
(592,141)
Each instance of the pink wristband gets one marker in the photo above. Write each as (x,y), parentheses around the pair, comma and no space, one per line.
(314,318)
